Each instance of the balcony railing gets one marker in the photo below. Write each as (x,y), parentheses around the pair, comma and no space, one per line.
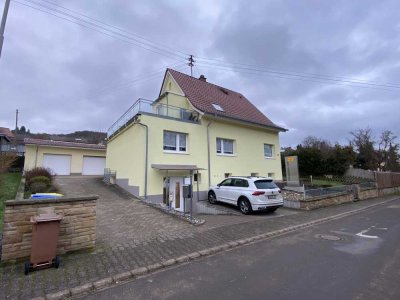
(160,109)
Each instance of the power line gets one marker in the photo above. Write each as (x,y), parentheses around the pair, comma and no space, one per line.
(294,73)
(103,29)
(297,77)
(115,27)
(132,82)
(210,62)
(290,78)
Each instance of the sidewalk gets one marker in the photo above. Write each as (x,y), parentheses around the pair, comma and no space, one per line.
(79,268)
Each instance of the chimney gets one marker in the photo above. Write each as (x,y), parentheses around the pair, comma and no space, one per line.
(203,78)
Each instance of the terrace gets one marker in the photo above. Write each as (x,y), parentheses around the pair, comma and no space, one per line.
(143,106)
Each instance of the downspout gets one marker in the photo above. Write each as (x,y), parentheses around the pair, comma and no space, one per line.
(208,153)
(146,157)
(37,150)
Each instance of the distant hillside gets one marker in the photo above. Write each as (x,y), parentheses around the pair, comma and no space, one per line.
(85,136)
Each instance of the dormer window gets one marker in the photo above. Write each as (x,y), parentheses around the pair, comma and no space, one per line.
(217,107)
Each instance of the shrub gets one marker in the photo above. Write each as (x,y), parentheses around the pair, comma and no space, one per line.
(6,161)
(38,171)
(38,187)
(44,179)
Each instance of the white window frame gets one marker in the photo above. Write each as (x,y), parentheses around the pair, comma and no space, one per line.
(272,151)
(217,107)
(223,153)
(177,142)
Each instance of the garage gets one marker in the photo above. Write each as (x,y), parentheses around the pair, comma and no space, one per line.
(59,164)
(93,165)
(65,158)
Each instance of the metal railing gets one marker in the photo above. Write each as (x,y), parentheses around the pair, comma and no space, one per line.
(327,191)
(160,109)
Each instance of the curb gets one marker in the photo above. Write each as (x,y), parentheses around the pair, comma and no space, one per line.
(98,285)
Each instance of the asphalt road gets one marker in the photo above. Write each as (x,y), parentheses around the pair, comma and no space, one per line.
(357,257)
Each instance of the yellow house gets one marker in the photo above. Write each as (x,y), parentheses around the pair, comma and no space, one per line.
(195,132)
(65,158)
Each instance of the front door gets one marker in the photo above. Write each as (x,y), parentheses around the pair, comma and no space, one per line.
(175,193)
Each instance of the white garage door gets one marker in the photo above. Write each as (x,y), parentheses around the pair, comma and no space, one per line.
(59,164)
(93,165)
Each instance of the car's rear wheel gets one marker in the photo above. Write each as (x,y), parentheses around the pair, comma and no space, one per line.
(245,206)
(212,198)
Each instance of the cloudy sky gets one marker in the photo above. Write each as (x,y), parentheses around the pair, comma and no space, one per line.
(321,68)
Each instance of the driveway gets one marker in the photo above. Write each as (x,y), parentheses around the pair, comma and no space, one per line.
(122,220)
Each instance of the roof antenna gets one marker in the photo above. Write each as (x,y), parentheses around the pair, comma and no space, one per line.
(191,62)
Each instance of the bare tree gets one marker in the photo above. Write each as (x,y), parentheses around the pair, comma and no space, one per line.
(363,143)
(386,145)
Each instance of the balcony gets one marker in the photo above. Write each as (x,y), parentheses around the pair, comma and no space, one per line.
(151,108)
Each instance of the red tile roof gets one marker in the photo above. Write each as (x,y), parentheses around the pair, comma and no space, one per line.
(6,132)
(202,95)
(39,142)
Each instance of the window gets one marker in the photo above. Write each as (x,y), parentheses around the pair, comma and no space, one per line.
(228,175)
(268,150)
(197,177)
(227,182)
(217,107)
(253,174)
(224,146)
(265,184)
(240,183)
(271,175)
(175,142)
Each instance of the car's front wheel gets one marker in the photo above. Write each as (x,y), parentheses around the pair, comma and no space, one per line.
(245,206)
(212,198)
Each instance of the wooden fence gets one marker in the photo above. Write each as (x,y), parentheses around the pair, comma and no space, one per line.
(387,180)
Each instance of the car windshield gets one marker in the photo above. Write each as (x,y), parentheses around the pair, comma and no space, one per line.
(265,184)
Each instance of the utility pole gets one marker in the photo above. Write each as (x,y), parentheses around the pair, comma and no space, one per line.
(191,64)
(16,121)
(3,23)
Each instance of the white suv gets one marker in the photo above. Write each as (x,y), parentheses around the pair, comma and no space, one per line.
(248,193)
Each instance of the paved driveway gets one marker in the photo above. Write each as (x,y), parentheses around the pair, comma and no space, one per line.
(123,221)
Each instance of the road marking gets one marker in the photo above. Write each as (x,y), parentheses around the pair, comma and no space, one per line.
(361,234)
(342,232)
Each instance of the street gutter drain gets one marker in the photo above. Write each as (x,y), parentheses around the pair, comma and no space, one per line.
(328,237)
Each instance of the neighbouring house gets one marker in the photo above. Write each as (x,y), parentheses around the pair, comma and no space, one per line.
(65,158)
(10,143)
(194,132)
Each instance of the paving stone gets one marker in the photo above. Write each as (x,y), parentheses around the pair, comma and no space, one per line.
(205,252)
(182,259)
(139,271)
(154,267)
(102,283)
(85,288)
(169,262)
(59,295)
(122,276)
(194,255)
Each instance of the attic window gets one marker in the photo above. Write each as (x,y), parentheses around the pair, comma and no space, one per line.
(217,107)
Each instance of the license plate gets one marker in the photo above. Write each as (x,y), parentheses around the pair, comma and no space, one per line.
(272,197)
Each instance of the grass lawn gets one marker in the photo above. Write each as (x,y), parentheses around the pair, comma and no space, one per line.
(9,183)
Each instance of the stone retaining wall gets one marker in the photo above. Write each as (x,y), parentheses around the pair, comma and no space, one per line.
(326,200)
(77,229)
(367,194)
